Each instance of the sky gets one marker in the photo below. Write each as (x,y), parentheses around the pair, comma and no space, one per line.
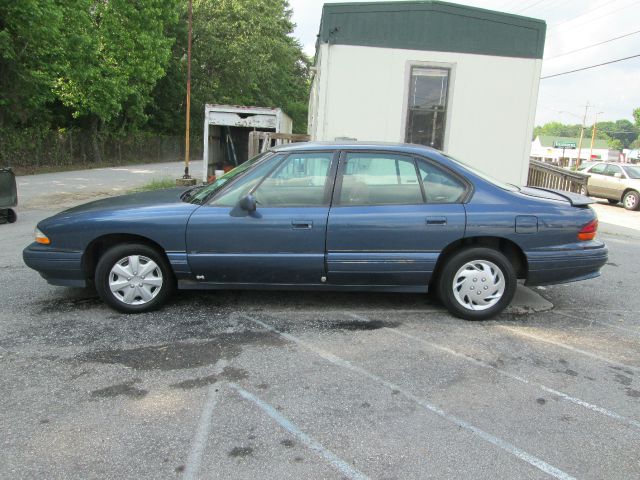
(612,91)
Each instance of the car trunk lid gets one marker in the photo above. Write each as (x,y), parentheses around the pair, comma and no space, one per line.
(574,199)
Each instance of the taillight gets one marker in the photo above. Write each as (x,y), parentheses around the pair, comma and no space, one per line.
(588,232)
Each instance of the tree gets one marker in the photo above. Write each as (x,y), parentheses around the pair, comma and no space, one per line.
(117,50)
(242,54)
(31,47)
(636,116)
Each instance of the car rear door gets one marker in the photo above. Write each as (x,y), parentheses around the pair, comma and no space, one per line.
(390,218)
(597,180)
(283,241)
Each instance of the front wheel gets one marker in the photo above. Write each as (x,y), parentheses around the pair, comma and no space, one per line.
(477,283)
(134,278)
(631,200)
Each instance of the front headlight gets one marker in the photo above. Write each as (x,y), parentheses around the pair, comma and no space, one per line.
(41,237)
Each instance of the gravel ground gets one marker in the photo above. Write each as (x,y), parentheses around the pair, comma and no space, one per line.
(318,385)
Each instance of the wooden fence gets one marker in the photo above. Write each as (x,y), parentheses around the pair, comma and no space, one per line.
(261,141)
(549,176)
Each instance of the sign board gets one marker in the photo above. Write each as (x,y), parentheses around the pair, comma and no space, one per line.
(559,144)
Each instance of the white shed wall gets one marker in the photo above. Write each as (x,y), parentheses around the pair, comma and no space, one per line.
(361,92)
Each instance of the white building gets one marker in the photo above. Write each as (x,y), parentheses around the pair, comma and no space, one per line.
(564,150)
(445,75)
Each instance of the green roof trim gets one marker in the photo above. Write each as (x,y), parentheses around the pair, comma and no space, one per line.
(549,141)
(432,25)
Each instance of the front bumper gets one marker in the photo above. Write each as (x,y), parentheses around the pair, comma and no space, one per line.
(58,267)
(566,263)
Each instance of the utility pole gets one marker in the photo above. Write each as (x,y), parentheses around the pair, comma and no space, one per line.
(584,120)
(186,178)
(593,134)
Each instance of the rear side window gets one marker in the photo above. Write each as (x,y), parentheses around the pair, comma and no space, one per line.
(599,168)
(379,179)
(439,185)
(611,170)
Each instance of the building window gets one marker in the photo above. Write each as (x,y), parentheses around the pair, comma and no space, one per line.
(427,109)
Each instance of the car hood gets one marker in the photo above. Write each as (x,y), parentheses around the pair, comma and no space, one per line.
(133,200)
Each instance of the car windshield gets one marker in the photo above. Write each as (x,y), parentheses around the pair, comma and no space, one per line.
(202,194)
(632,171)
(484,176)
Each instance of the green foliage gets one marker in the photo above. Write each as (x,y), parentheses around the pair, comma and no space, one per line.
(157,184)
(117,67)
(619,134)
(243,54)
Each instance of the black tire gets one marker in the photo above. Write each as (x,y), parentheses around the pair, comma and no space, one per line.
(114,256)
(631,200)
(12,216)
(612,201)
(445,285)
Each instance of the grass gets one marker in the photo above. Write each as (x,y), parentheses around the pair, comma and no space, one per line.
(156,184)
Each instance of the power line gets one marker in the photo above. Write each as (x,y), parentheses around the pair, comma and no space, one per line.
(531,6)
(555,25)
(591,66)
(571,27)
(593,45)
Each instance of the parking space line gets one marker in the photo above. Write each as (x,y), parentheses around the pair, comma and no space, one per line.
(586,353)
(199,443)
(591,320)
(346,469)
(520,379)
(496,441)
(192,467)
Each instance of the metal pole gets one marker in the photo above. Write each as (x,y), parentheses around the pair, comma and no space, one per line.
(186,139)
(584,120)
(593,134)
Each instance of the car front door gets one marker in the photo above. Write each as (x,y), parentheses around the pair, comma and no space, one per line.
(282,241)
(391,216)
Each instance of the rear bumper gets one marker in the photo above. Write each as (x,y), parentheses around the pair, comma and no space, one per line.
(566,263)
(58,267)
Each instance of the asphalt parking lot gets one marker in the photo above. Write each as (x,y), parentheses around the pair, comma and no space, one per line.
(307,385)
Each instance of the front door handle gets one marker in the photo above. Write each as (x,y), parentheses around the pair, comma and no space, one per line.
(302,224)
(436,220)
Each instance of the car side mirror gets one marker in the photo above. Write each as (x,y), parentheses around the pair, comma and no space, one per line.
(248,203)
(617,175)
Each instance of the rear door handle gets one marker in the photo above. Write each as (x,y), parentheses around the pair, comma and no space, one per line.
(436,220)
(302,224)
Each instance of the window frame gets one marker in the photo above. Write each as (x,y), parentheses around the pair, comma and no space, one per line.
(342,164)
(612,167)
(329,185)
(404,120)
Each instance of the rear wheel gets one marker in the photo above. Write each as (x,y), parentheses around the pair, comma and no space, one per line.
(134,278)
(631,200)
(477,283)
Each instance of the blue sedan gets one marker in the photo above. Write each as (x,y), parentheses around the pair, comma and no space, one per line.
(383,217)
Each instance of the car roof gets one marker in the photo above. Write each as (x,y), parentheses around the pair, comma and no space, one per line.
(353,145)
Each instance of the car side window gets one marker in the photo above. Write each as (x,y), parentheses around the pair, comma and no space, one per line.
(440,186)
(298,181)
(599,168)
(244,185)
(379,179)
(611,170)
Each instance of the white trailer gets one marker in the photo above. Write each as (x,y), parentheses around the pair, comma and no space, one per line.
(461,79)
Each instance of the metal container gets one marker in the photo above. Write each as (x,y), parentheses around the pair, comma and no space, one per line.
(8,195)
